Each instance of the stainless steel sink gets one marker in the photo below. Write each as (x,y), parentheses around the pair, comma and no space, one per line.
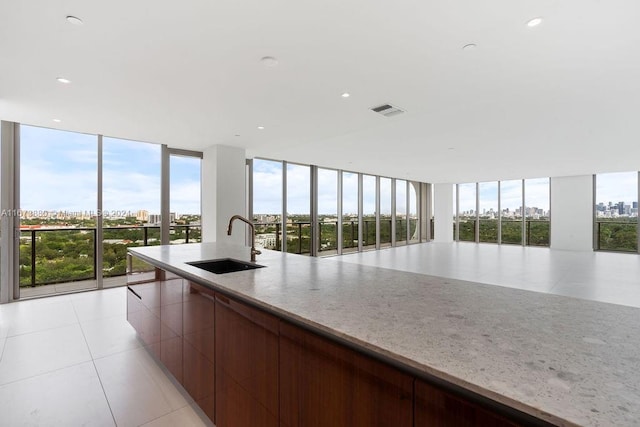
(225,265)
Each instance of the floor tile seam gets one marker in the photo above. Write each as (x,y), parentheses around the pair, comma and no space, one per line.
(4,345)
(84,337)
(164,415)
(104,392)
(122,316)
(171,380)
(45,373)
(95,358)
(147,374)
(46,329)
(141,346)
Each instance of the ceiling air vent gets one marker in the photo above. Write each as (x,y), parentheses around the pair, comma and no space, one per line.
(387,110)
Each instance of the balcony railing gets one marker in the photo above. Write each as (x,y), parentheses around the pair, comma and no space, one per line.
(537,232)
(620,236)
(269,234)
(57,255)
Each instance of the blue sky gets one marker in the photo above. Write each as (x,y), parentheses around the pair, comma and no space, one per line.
(536,193)
(617,187)
(267,190)
(58,172)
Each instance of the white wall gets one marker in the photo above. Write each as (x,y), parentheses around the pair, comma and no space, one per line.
(443,212)
(572,213)
(223,193)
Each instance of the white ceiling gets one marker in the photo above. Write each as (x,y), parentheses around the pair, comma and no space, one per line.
(558,99)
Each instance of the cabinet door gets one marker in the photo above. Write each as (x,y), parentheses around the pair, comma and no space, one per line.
(246,365)
(435,407)
(171,326)
(198,345)
(143,313)
(323,383)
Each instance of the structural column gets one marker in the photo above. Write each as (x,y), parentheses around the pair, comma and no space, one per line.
(223,193)
(443,212)
(572,213)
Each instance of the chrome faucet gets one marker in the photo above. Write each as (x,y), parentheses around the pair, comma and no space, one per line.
(254,252)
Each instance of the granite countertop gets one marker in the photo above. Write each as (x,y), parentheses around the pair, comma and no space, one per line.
(565,360)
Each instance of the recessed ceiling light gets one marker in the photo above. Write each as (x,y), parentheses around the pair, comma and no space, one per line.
(57,120)
(534,22)
(237,134)
(470,46)
(74,20)
(345,95)
(63,80)
(269,61)
(261,127)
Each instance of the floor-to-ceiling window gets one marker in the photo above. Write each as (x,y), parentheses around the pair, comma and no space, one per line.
(401,212)
(58,202)
(467,212)
(84,199)
(511,212)
(327,211)
(616,211)
(414,230)
(368,212)
(488,212)
(267,203)
(385,212)
(184,199)
(298,209)
(537,211)
(350,212)
(130,202)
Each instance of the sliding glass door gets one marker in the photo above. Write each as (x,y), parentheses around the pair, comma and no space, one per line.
(58,205)
(82,200)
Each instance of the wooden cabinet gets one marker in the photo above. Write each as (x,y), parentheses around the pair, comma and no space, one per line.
(323,383)
(247,368)
(246,348)
(143,313)
(171,335)
(198,346)
(154,309)
(175,320)
(435,407)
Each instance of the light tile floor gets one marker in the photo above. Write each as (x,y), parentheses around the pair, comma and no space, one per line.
(67,287)
(72,360)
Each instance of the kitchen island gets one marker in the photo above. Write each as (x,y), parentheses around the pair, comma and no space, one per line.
(526,357)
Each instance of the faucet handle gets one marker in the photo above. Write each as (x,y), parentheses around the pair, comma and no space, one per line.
(257,252)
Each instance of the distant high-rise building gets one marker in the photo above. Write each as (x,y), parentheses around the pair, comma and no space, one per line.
(634,205)
(620,208)
(142,215)
(155,219)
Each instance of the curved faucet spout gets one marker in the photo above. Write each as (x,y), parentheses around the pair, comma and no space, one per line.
(254,252)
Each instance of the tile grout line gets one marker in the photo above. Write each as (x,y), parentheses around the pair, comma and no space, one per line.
(95,368)
(43,373)
(4,344)
(47,372)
